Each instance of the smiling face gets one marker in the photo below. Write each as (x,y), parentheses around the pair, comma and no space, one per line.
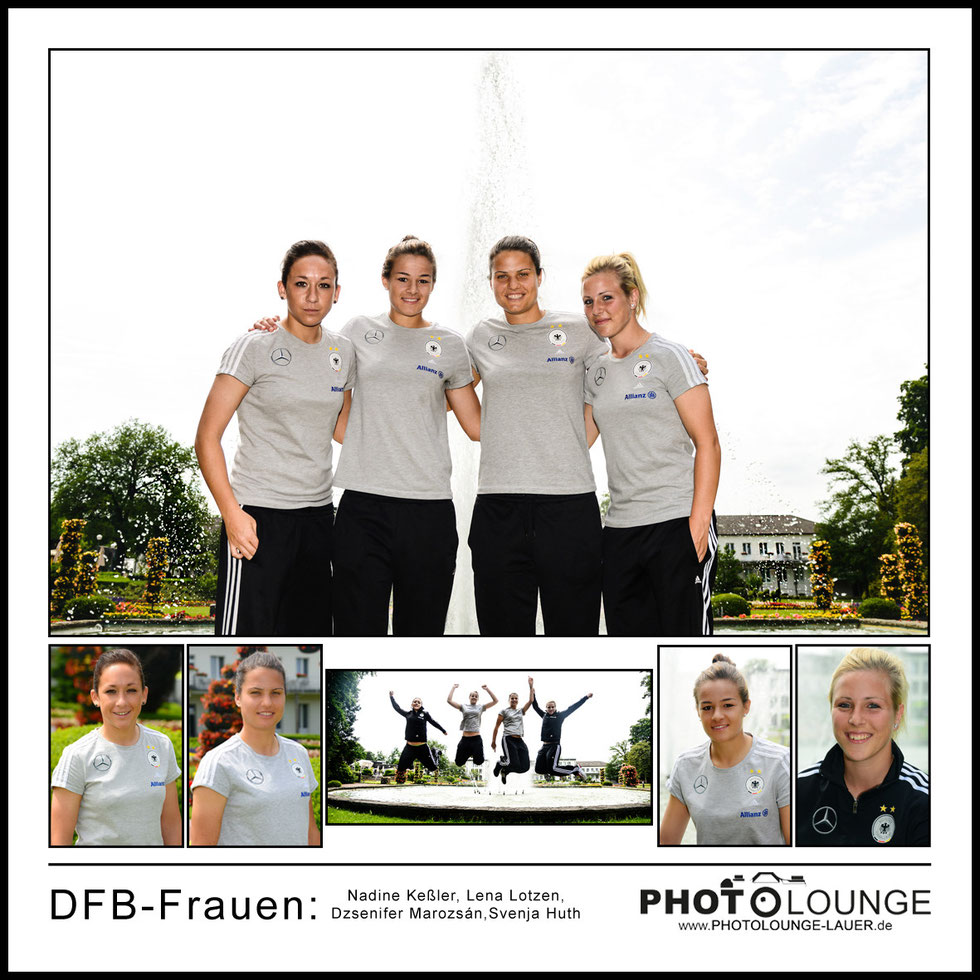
(513,699)
(262,699)
(607,307)
(120,697)
(515,286)
(551,707)
(474,697)
(863,715)
(409,286)
(721,710)
(310,290)
(416,704)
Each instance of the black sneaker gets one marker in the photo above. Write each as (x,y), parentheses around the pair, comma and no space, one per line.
(503,778)
(496,769)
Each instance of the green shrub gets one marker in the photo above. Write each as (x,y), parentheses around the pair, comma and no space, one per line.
(334,783)
(878,607)
(729,604)
(89,607)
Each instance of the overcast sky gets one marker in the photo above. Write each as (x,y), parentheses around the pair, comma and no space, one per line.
(776,202)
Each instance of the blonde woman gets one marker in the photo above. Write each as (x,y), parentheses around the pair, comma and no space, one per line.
(864,793)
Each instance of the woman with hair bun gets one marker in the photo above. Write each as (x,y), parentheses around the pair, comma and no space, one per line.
(864,793)
(736,786)
(395,534)
(649,399)
(291,392)
(117,785)
(256,789)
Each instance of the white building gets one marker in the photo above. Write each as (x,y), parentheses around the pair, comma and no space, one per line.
(772,546)
(303,673)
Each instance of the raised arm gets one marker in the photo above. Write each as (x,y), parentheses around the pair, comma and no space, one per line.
(493,698)
(534,704)
(694,409)
(466,407)
(574,707)
(530,696)
(394,704)
(223,400)
(449,699)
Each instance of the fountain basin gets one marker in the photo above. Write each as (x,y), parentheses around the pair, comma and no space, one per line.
(495,804)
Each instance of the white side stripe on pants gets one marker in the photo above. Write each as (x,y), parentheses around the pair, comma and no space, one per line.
(706,575)
(233,584)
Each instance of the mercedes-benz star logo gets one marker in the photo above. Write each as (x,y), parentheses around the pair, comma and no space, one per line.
(700,784)
(102,762)
(825,820)
(281,356)
(254,776)
(599,376)
(374,336)
(499,342)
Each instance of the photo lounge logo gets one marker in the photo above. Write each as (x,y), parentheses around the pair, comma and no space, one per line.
(769,901)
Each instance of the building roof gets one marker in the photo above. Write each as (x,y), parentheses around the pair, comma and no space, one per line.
(755,524)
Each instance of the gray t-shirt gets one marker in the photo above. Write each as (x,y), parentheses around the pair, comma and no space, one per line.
(396,443)
(268,796)
(513,721)
(739,805)
(287,417)
(649,455)
(532,429)
(472,716)
(122,787)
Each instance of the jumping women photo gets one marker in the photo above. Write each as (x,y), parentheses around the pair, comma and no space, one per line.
(864,793)
(256,789)
(736,786)
(291,390)
(648,398)
(117,785)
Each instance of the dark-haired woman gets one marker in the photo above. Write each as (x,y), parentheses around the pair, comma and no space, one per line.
(536,526)
(291,391)
(117,785)
(256,789)
(736,786)
(395,535)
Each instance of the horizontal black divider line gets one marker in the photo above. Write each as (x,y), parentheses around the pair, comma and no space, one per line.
(475,864)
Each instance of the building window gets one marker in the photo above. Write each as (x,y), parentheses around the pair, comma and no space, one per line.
(302,666)
(780,548)
(746,548)
(730,548)
(797,549)
(302,717)
(216,664)
(766,575)
(763,547)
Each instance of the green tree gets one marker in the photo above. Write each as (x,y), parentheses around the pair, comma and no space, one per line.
(341,747)
(641,731)
(640,756)
(912,497)
(913,413)
(130,484)
(728,577)
(860,513)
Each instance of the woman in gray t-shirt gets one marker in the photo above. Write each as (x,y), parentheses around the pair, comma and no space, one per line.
(649,399)
(117,785)
(736,787)
(256,789)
